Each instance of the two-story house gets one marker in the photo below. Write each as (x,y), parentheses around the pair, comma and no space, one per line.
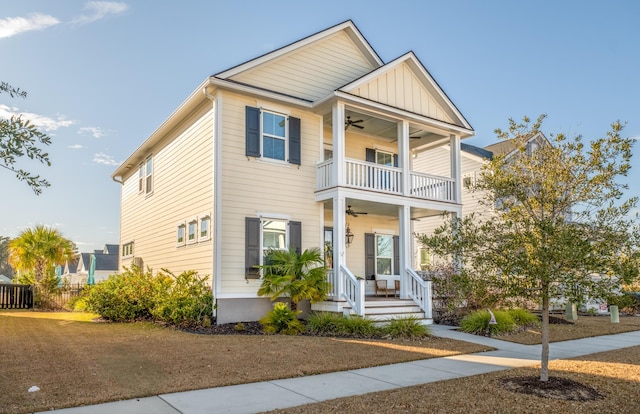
(311,145)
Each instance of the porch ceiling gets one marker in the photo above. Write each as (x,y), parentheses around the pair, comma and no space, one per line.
(387,130)
(381,209)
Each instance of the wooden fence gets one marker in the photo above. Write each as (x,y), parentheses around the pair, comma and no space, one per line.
(16,296)
(33,296)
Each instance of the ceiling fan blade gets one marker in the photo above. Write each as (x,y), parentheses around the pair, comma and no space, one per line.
(357,126)
(357,121)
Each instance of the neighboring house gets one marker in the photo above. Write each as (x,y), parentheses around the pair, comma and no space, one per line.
(311,145)
(4,279)
(106,263)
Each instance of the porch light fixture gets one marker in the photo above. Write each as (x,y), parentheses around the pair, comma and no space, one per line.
(348,236)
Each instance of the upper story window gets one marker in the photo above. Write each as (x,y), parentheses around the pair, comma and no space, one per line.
(148,170)
(384,158)
(272,135)
(181,234)
(205,226)
(145,176)
(192,228)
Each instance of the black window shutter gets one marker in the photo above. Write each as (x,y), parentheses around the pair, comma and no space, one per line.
(252,247)
(252,132)
(294,140)
(395,160)
(295,236)
(371,155)
(370,256)
(396,255)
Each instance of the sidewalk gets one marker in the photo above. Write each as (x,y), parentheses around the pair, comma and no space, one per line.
(269,395)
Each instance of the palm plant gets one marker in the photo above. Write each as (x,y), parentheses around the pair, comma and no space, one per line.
(298,276)
(39,249)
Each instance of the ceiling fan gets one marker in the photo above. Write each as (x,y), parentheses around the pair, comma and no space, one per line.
(348,123)
(354,213)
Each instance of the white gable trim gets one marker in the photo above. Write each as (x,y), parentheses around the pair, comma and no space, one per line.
(349,27)
(418,68)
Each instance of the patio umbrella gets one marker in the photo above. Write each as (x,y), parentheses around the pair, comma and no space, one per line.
(92,271)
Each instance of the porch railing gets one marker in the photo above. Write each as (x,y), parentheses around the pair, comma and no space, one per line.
(333,282)
(376,177)
(432,187)
(420,291)
(353,290)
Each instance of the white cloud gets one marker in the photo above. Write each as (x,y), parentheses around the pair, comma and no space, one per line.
(76,146)
(104,159)
(12,26)
(96,132)
(100,9)
(43,122)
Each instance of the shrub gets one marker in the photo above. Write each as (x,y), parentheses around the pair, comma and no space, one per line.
(187,301)
(358,326)
(407,327)
(626,302)
(128,296)
(523,317)
(281,320)
(478,323)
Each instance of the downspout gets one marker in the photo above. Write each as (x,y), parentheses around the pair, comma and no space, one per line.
(215,208)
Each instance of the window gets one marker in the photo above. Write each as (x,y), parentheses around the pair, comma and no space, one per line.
(192,229)
(328,247)
(424,259)
(127,249)
(469,180)
(149,175)
(262,234)
(140,178)
(274,235)
(205,226)
(384,158)
(181,234)
(384,255)
(272,135)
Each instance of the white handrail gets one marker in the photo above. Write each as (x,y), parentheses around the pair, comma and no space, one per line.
(324,176)
(432,187)
(333,282)
(368,175)
(353,290)
(420,291)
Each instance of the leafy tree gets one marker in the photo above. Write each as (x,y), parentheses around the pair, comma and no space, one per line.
(5,268)
(38,250)
(19,138)
(559,225)
(298,276)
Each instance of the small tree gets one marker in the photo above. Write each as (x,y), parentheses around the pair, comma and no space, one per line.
(298,276)
(558,227)
(19,138)
(38,250)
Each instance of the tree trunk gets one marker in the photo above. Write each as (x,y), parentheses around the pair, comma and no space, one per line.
(544,371)
(40,270)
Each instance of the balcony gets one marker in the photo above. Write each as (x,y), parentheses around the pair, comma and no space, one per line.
(380,178)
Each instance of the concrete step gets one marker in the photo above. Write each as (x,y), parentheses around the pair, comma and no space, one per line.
(386,310)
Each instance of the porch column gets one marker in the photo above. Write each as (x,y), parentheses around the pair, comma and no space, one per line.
(404,218)
(339,245)
(456,174)
(403,156)
(338,144)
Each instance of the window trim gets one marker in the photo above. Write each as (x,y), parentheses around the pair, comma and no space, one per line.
(127,250)
(141,178)
(182,225)
(263,134)
(264,250)
(201,218)
(391,266)
(194,221)
(148,175)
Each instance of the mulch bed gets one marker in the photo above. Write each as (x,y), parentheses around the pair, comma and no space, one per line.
(556,388)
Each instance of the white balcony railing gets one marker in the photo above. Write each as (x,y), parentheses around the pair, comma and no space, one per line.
(375,177)
(420,291)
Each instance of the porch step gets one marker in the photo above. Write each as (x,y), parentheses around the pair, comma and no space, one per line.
(386,310)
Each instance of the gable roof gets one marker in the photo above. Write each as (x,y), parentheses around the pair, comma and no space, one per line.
(111,249)
(506,147)
(425,96)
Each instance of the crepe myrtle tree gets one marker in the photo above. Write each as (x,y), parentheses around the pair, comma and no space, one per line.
(557,222)
(20,138)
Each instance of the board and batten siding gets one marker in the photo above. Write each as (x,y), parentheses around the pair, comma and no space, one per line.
(182,190)
(251,186)
(312,72)
(400,88)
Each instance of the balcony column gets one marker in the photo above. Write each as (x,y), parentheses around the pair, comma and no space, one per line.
(338,144)
(456,174)
(339,244)
(404,219)
(403,156)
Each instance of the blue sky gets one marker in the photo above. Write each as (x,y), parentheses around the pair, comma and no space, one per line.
(102,76)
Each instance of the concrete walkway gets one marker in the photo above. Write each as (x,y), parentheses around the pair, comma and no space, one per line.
(269,395)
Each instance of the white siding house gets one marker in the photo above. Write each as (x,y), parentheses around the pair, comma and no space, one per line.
(282,151)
